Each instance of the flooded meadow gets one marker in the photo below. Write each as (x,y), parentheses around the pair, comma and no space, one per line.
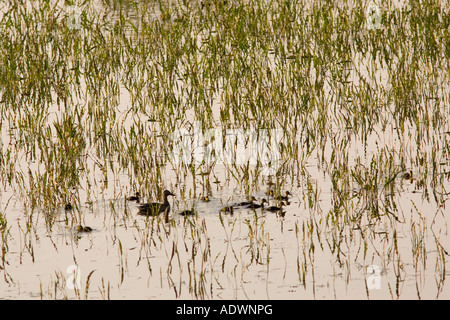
(306,144)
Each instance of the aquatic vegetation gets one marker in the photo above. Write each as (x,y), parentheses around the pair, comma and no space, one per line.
(345,105)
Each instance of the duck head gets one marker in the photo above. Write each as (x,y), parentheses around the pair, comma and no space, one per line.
(168,193)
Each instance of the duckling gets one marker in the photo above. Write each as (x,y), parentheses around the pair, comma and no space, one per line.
(80,228)
(257,206)
(407,175)
(285,197)
(270,192)
(246,203)
(205,199)
(155,208)
(227,209)
(136,197)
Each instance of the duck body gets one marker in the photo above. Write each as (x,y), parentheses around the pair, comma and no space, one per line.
(155,208)
(246,203)
(257,206)
(275,208)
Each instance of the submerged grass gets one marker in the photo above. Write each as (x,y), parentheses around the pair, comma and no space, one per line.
(90,96)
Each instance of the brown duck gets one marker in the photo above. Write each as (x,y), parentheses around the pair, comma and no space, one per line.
(155,208)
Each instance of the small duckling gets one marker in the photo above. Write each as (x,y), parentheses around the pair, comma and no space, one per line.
(407,175)
(80,228)
(257,206)
(227,209)
(205,199)
(136,197)
(285,197)
(246,203)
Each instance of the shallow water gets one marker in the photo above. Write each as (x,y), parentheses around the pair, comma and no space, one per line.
(349,214)
(235,263)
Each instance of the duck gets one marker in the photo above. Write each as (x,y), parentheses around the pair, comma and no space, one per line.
(285,197)
(275,208)
(257,206)
(136,197)
(246,203)
(155,208)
